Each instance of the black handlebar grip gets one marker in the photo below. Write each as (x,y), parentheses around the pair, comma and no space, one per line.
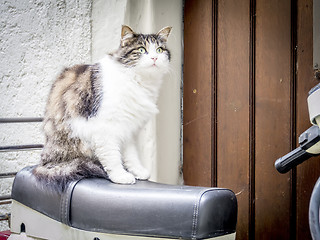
(292,159)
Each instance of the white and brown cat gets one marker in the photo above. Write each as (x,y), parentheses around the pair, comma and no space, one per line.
(95,112)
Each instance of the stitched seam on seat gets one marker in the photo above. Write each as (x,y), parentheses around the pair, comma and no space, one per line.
(62,208)
(66,209)
(66,202)
(195,217)
(194,220)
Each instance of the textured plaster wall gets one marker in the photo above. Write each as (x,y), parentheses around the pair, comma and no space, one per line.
(37,39)
(107,18)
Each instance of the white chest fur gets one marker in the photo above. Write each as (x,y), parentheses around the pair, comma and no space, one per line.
(128,98)
(128,102)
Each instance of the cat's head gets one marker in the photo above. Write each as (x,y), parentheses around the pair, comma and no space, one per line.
(146,52)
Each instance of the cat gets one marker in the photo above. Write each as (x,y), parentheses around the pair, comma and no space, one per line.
(95,112)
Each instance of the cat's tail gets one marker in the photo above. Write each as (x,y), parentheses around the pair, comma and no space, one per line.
(59,175)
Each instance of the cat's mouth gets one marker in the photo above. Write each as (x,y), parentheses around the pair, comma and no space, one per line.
(154,65)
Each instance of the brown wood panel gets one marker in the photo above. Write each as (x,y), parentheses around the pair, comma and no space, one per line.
(245,88)
(197,92)
(233,104)
(273,132)
(309,171)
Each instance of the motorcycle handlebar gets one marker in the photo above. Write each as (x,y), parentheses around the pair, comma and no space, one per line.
(292,159)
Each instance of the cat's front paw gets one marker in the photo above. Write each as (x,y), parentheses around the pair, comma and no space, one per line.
(140,173)
(121,177)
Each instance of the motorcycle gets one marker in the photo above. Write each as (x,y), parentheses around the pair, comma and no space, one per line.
(309,146)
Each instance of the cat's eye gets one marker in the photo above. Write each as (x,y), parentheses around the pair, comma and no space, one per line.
(142,50)
(159,50)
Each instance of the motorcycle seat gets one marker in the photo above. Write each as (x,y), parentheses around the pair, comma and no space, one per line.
(142,209)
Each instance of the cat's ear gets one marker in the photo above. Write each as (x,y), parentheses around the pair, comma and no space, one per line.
(164,33)
(126,33)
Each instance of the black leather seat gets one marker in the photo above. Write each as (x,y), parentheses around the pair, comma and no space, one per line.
(145,208)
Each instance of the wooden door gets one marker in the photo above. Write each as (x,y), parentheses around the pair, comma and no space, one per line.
(247,73)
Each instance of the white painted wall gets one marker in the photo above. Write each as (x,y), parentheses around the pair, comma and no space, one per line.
(40,37)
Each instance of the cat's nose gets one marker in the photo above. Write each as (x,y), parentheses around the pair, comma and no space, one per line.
(154,59)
